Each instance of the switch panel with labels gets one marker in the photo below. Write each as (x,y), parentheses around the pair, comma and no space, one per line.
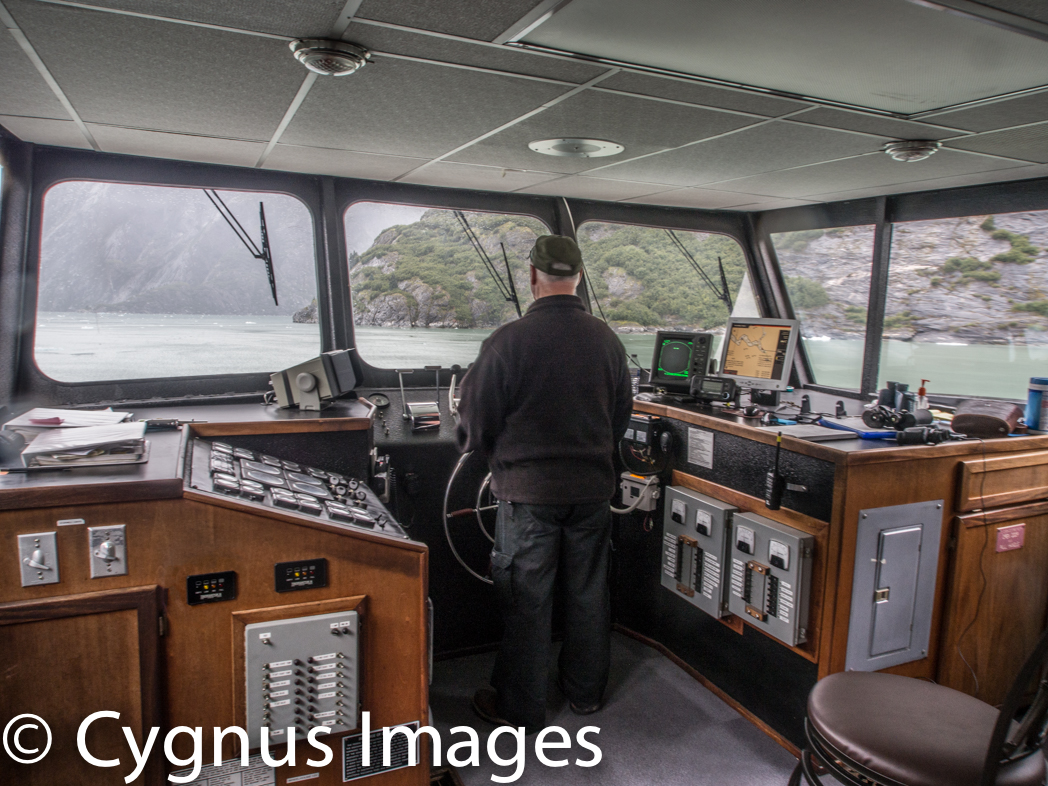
(300,575)
(696,536)
(771,576)
(302,672)
(108,550)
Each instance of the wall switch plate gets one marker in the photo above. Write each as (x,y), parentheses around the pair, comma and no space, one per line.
(108,551)
(38,558)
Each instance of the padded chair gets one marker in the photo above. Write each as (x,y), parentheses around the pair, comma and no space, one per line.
(884,730)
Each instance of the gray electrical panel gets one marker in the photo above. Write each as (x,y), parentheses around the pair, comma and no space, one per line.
(893,587)
(301,673)
(771,576)
(694,546)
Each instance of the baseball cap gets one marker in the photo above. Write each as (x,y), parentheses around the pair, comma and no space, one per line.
(556,255)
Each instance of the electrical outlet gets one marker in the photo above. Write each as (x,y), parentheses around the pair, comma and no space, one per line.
(108,551)
(38,558)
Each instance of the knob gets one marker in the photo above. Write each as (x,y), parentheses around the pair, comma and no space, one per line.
(106,551)
(306,381)
(37,560)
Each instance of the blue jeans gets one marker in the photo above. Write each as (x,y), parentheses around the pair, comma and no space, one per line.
(533,542)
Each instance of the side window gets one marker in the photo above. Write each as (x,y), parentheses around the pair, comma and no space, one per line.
(150,281)
(967,304)
(645,279)
(827,274)
(422,293)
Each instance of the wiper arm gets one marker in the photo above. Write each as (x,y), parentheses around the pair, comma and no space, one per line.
(509,291)
(722,291)
(265,254)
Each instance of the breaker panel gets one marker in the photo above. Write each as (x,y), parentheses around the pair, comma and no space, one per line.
(302,672)
(771,576)
(694,548)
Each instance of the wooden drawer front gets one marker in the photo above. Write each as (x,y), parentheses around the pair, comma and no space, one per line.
(1003,480)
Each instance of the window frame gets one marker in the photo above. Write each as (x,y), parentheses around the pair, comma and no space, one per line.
(51,166)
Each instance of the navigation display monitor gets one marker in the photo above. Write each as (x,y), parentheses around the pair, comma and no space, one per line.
(758,353)
(678,357)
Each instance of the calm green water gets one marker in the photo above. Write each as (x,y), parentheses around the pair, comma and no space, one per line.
(79,347)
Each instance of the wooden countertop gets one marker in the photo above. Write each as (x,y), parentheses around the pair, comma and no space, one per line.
(848,451)
(159,478)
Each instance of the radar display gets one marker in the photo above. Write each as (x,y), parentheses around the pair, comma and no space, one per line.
(756,351)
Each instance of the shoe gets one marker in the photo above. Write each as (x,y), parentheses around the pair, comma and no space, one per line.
(579,709)
(485,705)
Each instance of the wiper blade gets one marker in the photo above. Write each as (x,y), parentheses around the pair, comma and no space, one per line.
(721,292)
(509,291)
(265,254)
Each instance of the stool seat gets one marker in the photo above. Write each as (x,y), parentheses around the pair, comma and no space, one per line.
(911,731)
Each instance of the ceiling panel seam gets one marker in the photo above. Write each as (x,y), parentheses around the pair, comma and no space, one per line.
(27,47)
(289,115)
(552,102)
(480,69)
(345,18)
(661,187)
(987,15)
(173,20)
(660,99)
(908,183)
(764,121)
(1030,91)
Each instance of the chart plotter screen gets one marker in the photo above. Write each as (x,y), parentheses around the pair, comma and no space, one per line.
(757,350)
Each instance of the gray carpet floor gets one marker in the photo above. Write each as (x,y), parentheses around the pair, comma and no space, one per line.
(658,726)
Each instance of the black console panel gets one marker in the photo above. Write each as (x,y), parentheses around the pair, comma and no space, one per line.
(272,482)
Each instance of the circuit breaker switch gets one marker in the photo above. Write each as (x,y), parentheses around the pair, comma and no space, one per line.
(108,551)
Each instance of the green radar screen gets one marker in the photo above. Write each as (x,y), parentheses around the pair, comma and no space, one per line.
(675,358)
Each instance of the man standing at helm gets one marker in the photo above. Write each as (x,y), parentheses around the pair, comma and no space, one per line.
(545,403)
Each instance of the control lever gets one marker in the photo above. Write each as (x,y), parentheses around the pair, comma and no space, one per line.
(422,415)
(36,560)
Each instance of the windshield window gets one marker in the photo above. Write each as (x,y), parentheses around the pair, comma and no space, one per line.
(150,281)
(827,275)
(968,304)
(644,280)
(422,293)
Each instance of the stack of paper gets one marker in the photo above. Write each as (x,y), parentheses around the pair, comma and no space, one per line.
(121,443)
(41,419)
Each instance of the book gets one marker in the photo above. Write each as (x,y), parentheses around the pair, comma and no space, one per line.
(119,443)
(41,419)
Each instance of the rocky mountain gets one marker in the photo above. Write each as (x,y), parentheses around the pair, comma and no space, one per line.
(150,249)
(426,274)
(974,280)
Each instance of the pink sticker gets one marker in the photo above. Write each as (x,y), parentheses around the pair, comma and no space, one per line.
(1011,538)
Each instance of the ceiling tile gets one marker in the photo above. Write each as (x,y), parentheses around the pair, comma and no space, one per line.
(399,107)
(957,181)
(641,125)
(62,133)
(871,124)
(891,55)
(457,17)
(863,172)
(140,73)
(590,188)
(132,141)
(340,163)
(763,148)
(695,197)
(482,178)
(293,18)
(517,61)
(698,93)
(22,90)
(1000,114)
(1029,143)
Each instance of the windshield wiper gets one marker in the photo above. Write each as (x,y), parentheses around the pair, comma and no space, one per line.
(264,254)
(721,292)
(509,292)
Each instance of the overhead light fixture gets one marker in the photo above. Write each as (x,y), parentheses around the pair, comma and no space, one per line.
(911,150)
(330,58)
(576,148)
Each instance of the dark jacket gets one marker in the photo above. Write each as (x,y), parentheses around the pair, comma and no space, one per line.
(546,401)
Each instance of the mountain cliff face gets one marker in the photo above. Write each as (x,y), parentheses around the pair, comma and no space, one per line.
(976,280)
(156,250)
